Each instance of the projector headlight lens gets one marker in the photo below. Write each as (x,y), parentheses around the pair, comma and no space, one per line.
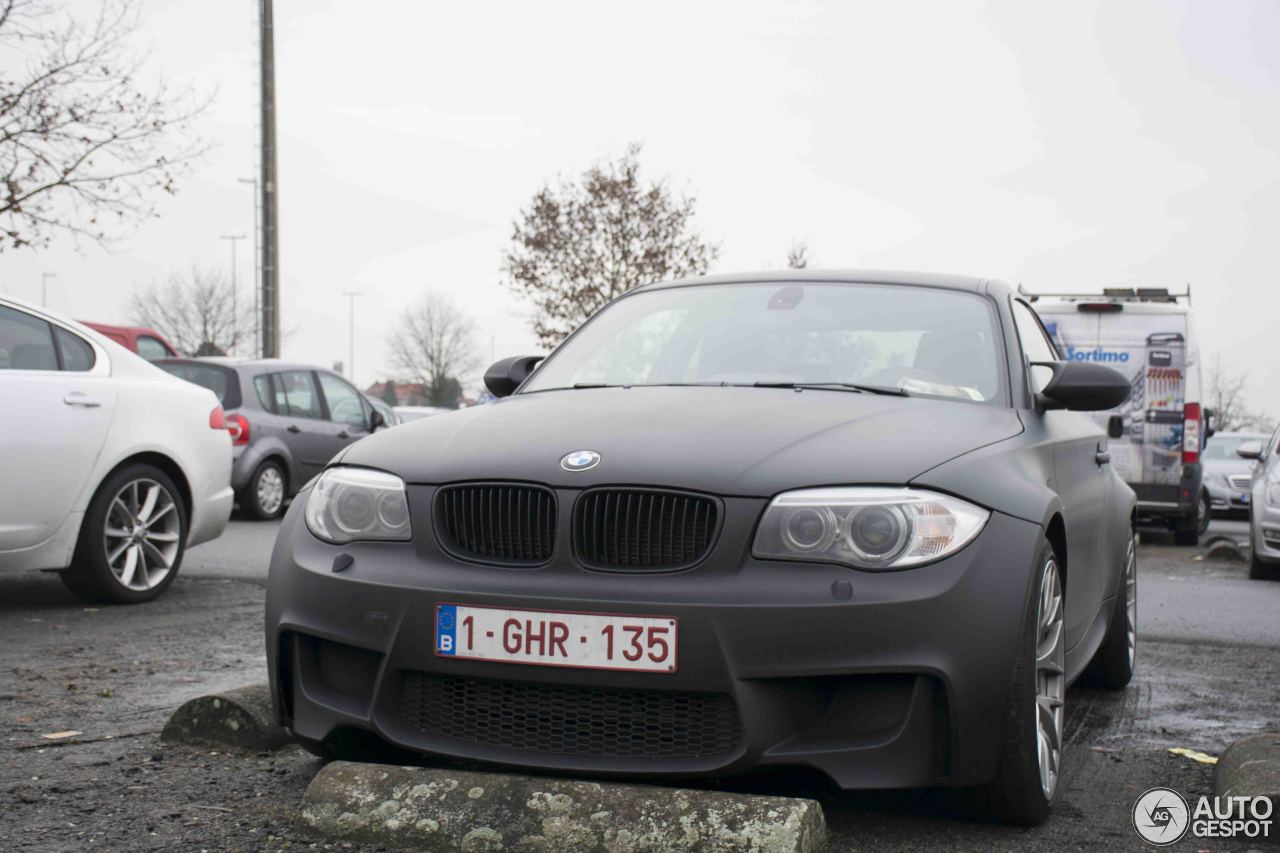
(349,504)
(866,528)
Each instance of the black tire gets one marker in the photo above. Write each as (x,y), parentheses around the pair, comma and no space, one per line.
(1204,512)
(1260,571)
(90,575)
(1016,796)
(251,497)
(1186,530)
(1113,664)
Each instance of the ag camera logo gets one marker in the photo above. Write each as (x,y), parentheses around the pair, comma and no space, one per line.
(1161,817)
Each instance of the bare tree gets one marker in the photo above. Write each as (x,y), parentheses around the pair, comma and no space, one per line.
(580,244)
(84,145)
(434,344)
(196,311)
(798,255)
(1231,411)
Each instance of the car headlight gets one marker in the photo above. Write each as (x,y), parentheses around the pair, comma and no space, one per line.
(867,528)
(1273,493)
(347,504)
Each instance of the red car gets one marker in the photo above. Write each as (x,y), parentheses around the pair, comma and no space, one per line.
(147,343)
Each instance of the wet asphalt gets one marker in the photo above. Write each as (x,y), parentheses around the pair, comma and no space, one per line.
(1209,666)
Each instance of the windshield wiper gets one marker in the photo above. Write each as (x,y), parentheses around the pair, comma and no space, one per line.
(835,386)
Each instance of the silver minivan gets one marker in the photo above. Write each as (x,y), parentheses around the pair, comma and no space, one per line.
(286,421)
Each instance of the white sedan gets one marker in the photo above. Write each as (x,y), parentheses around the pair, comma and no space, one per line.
(110,468)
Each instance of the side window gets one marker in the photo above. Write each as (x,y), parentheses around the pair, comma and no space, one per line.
(1035,344)
(262,384)
(296,390)
(345,402)
(26,342)
(76,354)
(150,348)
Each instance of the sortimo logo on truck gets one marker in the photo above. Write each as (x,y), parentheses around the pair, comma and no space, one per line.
(1097,354)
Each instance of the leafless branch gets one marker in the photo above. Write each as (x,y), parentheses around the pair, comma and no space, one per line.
(196,311)
(84,147)
(434,344)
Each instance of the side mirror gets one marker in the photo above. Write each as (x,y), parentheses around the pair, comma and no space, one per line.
(505,376)
(1082,386)
(1210,423)
(1250,450)
(376,421)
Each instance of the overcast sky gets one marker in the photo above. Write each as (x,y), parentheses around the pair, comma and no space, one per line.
(1064,146)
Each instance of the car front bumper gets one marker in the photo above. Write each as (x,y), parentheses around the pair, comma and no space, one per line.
(1222,498)
(1264,523)
(879,680)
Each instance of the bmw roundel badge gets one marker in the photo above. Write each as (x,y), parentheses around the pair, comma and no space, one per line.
(580,460)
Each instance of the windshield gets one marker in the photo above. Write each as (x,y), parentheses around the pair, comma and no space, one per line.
(1224,446)
(219,380)
(924,341)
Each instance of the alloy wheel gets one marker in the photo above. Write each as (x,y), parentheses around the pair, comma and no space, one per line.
(1131,599)
(270,489)
(142,534)
(1050,677)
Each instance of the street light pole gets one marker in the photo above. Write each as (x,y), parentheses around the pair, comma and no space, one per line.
(44,287)
(257,268)
(235,310)
(351,333)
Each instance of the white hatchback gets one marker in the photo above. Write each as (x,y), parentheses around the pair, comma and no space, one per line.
(110,468)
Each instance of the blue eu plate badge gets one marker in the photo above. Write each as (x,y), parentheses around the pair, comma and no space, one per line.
(446,626)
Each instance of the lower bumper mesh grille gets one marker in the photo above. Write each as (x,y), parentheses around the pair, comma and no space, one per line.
(571,720)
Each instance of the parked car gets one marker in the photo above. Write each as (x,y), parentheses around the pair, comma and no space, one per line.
(146,342)
(286,421)
(1227,477)
(848,521)
(414,413)
(1264,506)
(111,468)
(1159,430)
(388,412)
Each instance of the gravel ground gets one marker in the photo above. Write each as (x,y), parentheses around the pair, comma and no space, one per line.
(114,674)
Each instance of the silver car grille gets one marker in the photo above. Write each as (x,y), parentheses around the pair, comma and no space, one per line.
(1240,482)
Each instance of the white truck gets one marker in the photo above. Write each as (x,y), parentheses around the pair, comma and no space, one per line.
(1157,435)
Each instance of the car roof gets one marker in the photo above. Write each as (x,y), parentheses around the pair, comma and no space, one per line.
(249,366)
(944,281)
(1072,306)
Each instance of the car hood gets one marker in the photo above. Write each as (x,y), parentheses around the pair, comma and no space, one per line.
(1227,467)
(726,441)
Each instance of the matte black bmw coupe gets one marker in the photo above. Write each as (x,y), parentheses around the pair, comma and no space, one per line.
(850,521)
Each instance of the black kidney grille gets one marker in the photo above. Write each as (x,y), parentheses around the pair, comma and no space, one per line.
(643,529)
(570,720)
(503,522)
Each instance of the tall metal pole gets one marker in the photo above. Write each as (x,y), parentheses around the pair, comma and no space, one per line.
(351,333)
(235,309)
(257,269)
(44,287)
(269,189)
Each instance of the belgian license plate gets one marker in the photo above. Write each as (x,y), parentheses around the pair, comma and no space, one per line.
(554,638)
